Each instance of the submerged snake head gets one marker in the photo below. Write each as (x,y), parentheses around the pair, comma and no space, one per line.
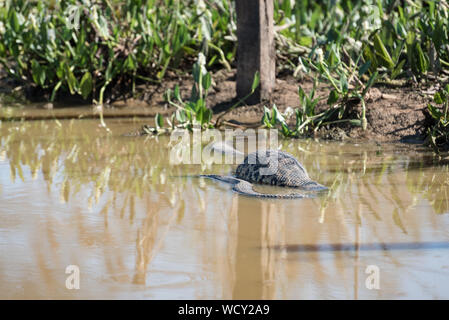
(313,186)
(276,168)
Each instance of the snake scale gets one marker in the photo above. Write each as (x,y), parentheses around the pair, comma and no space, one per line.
(269,167)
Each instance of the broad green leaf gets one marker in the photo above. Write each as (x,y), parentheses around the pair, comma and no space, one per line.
(212,60)
(207,115)
(422,60)
(86,85)
(199,116)
(38,73)
(196,72)
(207,81)
(410,38)
(401,30)
(285,130)
(370,57)
(255,81)
(364,68)
(42,76)
(266,110)
(177,94)
(129,63)
(305,41)
(2,50)
(439,97)
(434,112)
(159,121)
(180,116)
(301,93)
(397,70)
(277,115)
(382,53)
(266,119)
(71,80)
(188,114)
(299,118)
(14,21)
(200,105)
(370,82)
(190,106)
(108,73)
(60,70)
(167,49)
(194,93)
(35,71)
(333,97)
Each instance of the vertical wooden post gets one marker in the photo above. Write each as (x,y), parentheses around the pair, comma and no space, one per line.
(255,51)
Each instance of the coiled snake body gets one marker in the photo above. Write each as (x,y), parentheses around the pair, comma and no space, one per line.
(269,167)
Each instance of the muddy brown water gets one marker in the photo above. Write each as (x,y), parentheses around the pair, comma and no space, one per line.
(136,226)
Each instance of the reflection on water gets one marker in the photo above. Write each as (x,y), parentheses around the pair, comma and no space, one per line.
(137,227)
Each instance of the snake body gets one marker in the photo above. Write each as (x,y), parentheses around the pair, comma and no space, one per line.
(270,167)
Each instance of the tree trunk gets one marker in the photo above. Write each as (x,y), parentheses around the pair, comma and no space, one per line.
(255,51)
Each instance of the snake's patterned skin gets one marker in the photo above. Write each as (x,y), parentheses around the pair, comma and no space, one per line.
(272,167)
(276,168)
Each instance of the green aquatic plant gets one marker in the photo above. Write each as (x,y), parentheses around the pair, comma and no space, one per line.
(362,43)
(395,39)
(307,119)
(438,133)
(105,47)
(90,48)
(195,111)
(346,85)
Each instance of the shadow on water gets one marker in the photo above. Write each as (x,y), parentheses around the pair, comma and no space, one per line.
(362,246)
(256,270)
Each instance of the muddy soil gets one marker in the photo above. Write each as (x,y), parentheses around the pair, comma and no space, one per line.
(393,113)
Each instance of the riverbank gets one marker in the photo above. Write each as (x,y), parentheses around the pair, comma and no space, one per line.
(394,113)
